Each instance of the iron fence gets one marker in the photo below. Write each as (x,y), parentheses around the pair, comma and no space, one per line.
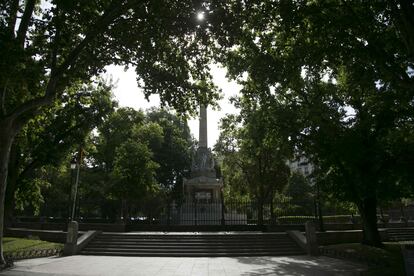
(230,212)
(169,212)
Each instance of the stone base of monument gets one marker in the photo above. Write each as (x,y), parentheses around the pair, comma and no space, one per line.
(207,214)
(235,218)
(200,214)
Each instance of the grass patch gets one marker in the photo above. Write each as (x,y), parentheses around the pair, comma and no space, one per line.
(389,259)
(11,245)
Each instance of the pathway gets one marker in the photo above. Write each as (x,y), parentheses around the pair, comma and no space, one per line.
(117,266)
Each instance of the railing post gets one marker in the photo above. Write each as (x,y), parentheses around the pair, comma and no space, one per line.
(319,209)
(272,212)
(402,218)
(195,212)
(223,221)
(168,213)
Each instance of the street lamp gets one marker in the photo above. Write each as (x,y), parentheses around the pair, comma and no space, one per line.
(75,164)
(72,169)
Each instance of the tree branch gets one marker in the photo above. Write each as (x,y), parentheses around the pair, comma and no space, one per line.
(113,10)
(111,13)
(24,23)
(55,40)
(11,23)
(34,103)
(398,74)
(3,98)
(407,24)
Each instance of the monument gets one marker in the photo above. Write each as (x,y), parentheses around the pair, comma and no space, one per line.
(202,190)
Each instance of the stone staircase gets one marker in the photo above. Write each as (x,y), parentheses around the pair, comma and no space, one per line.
(193,244)
(400,234)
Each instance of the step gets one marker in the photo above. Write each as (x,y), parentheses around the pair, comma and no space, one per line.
(193,254)
(243,235)
(207,247)
(193,238)
(105,236)
(401,239)
(190,240)
(187,249)
(193,244)
(154,244)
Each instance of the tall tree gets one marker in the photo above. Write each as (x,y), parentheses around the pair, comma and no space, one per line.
(45,48)
(113,132)
(339,74)
(174,155)
(134,165)
(53,135)
(249,145)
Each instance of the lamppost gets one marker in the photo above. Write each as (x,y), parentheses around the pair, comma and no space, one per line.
(70,247)
(75,164)
(72,169)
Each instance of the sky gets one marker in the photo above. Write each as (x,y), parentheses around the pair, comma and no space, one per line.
(128,94)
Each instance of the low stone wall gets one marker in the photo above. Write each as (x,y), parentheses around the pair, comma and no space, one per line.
(350,256)
(349,236)
(40,225)
(45,235)
(104,227)
(29,254)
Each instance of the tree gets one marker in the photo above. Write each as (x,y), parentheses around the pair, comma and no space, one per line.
(299,189)
(257,151)
(163,140)
(46,48)
(113,132)
(134,168)
(50,138)
(174,154)
(339,76)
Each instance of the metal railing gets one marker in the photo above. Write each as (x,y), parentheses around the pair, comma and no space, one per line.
(167,212)
(231,212)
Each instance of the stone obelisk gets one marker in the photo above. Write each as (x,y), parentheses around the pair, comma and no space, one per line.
(202,188)
(202,138)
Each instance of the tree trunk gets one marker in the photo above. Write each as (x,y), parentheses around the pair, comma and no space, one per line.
(7,134)
(368,210)
(12,177)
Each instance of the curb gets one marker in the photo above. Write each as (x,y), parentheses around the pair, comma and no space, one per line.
(35,253)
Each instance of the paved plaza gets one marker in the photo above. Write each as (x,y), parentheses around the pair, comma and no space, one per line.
(114,266)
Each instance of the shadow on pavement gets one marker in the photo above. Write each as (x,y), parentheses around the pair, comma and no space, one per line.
(300,265)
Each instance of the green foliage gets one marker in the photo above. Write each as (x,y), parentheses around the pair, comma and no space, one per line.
(115,130)
(338,77)
(45,143)
(17,244)
(174,154)
(254,155)
(29,193)
(300,189)
(134,170)
(61,42)
(147,153)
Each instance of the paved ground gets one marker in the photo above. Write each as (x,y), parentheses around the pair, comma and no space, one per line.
(114,266)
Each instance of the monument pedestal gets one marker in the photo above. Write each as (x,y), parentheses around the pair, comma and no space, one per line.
(202,191)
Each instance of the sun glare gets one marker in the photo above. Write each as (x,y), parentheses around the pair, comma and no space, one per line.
(200,16)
